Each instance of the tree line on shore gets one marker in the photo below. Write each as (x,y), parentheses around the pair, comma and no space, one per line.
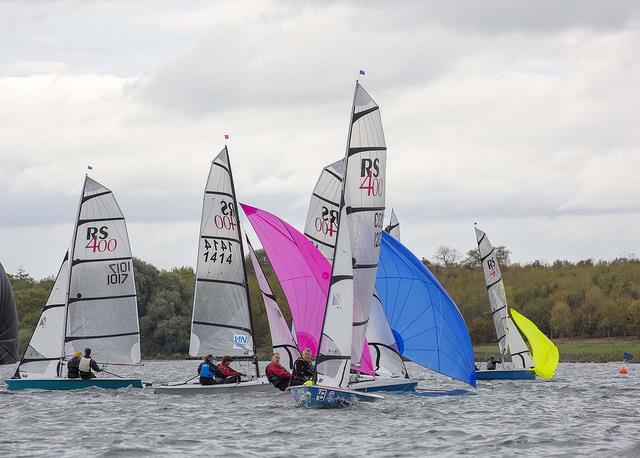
(565,299)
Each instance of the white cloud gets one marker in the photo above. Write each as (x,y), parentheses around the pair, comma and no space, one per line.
(507,114)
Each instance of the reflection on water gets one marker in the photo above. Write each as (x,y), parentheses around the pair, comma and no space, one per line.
(587,409)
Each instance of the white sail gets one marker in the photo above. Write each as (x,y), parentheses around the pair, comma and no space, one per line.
(281,339)
(498,301)
(324,201)
(394,226)
(364,194)
(517,348)
(334,357)
(322,218)
(221,322)
(102,309)
(387,361)
(42,356)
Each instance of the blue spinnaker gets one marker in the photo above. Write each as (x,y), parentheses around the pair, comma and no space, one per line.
(426,323)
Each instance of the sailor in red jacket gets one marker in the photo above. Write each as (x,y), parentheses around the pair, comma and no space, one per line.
(228,373)
(278,375)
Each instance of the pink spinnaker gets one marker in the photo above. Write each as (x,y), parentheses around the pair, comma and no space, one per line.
(304,275)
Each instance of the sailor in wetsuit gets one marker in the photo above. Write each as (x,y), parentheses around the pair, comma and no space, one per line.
(303,367)
(86,364)
(207,371)
(73,366)
(278,375)
(491,364)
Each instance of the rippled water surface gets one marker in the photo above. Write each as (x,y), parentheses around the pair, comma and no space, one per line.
(586,410)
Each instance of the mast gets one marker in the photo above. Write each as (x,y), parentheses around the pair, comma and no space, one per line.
(340,224)
(244,267)
(68,290)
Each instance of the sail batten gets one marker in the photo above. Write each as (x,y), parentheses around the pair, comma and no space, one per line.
(221,321)
(101,308)
(322,218)
(334,355)
(364,200)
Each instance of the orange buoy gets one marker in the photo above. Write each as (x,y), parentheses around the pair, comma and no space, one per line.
(623,371)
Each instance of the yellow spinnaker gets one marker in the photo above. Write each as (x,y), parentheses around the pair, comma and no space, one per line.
(544,353)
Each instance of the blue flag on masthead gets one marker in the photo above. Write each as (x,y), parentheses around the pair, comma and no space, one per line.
(362,72)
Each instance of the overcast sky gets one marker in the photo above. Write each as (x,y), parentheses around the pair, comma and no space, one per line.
(522,116)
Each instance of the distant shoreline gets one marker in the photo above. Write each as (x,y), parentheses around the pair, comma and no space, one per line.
(590,350)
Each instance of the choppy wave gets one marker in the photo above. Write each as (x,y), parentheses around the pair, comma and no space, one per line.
(587,410)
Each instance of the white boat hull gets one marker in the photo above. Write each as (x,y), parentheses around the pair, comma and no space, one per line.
(251,386)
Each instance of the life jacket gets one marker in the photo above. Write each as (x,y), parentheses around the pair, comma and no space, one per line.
(85,364)
(207,370)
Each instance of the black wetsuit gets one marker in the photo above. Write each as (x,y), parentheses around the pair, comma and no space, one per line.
(491,365)
(303,370)
(73,367)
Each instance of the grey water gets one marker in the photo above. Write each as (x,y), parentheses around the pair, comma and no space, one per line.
(586,410)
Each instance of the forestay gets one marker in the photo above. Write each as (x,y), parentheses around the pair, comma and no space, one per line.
(509,339)
(334,357)
(221,322)
(8,321)
(322,218)
(364,194)
(42,356)
(393,229)
(281,338)
(427,326)
(102,309)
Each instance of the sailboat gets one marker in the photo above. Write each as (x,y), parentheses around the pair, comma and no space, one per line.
(516,359)
(221,322)
(360,216)
(333,362)
(92,303)
(281,338)
(8,321)
(426,324)
(393,229)
(321,227)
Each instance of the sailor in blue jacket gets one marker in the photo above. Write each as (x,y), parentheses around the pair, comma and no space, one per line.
(207,371)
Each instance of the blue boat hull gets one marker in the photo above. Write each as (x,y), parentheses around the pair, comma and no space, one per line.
(321,397)
(71,384)
(519,374)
